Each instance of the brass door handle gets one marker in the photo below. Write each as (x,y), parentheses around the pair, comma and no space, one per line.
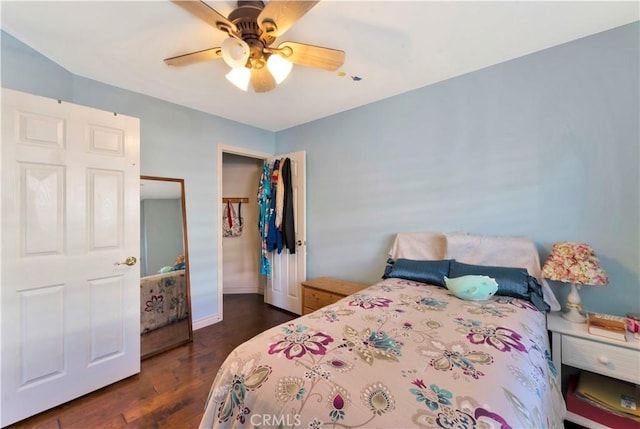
(131,260)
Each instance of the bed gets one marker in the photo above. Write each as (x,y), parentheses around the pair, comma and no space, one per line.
(404,352)
(163,300)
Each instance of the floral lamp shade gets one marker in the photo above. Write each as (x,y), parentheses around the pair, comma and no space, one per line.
(577,264)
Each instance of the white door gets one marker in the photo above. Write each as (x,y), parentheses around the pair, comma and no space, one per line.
(70,211)
(289,270)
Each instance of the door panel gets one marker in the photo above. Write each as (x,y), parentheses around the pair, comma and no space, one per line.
(43,335)
(288,271)
(42,130)
(107,301)
(42,201)
(70,211)
(104,209)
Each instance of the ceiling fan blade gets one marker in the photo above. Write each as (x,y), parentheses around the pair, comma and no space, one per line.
(194,57)
(262,80)
(207,14)
(278,16)
(311,56)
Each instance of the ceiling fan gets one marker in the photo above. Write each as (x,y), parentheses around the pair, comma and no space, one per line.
(252,28)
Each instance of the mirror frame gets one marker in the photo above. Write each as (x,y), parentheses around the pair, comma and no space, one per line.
(189,339)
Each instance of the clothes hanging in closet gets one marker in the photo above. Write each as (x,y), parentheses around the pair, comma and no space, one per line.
(232,221)
(274,234)
(264,197)
(277,223)
(279,196)
(288,225)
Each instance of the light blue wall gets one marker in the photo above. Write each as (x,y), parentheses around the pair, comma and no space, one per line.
(544,146)
(175,142)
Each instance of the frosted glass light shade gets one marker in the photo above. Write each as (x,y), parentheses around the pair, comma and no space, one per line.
(279,67)
(240,77)
(235,52)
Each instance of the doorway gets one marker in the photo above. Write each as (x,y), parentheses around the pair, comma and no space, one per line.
(239,162)
(288,270)
(241,251)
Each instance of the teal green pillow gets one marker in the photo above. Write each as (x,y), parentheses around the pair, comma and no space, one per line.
(431,272)
(166,269)
(471,287)
(514,282)
(511,281)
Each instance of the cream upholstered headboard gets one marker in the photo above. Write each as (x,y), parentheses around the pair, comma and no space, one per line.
(420,246)
(517,252)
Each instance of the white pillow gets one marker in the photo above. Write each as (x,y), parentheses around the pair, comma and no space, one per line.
(419,246)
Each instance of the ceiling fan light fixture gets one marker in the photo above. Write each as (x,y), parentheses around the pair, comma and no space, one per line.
(240,77)
(279,67)
(235,52)
(251,28)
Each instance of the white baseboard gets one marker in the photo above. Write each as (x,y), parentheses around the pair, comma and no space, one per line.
(205,321)
(241,289)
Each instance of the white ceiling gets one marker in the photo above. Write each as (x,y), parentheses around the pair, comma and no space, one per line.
(393,46)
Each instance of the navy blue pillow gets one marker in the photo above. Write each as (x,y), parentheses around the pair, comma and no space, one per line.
(432,272)
(537,298)
(514,282)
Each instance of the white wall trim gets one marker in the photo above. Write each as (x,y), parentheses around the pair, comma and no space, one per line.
(206,321)
(222,149)
(243,290)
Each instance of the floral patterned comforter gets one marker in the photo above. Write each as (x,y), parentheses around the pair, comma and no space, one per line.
(163,300)
(399,354)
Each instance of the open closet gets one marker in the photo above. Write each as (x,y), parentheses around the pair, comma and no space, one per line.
(241,252)
(241,257)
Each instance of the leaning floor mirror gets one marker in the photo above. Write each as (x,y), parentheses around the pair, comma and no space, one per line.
(165,299)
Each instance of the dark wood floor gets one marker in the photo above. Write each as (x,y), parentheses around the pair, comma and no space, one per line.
(172,387)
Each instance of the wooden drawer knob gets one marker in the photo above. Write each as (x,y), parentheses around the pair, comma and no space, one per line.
(604,360)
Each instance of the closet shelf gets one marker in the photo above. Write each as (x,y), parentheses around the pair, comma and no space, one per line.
(235,200)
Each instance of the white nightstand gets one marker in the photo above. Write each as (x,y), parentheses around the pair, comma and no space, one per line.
(572,345)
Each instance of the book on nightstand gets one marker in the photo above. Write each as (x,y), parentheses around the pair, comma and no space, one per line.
(607,325)
(592,410)
(615,395)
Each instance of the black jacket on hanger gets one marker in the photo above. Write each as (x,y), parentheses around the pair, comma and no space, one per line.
(288,225)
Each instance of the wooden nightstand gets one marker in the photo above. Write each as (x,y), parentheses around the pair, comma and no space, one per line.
(323,291)
(572,345)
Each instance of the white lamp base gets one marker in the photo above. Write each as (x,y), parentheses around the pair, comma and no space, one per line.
(574,316)
(574,306)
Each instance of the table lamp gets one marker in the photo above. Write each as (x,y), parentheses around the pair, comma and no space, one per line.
(577,264)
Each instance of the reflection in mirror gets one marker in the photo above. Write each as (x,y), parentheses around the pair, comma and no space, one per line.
(165,301)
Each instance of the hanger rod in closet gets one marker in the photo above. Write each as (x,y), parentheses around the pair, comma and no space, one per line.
(234,200)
